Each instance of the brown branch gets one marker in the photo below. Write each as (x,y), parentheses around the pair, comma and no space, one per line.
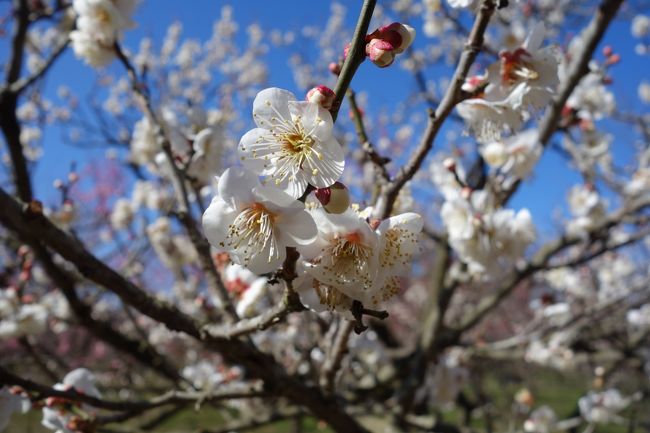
(27,218)
(366,145)
(290,303)
(335,356)
(452,96)
(172,397)
(356,56)
(21,85)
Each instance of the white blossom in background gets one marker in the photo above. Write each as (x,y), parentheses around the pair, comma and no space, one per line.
(486,239)
(516,155)
(640,26)
(144,143)
(639,318)
(203,375)
(18,319)
(493,113)
(586,207)
(531,67)
(99,25)
(174,251)
(57,417)
(248,289)
(293,143)
(554,353)
(644,92)
(602,407)
(122,214)
(591,98)
(541,420)
(11,402)
(448,378)
(255,223)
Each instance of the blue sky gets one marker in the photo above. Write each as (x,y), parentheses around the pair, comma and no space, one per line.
(544,192)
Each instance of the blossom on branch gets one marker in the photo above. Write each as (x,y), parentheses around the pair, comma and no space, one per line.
(293,144)
(255,223)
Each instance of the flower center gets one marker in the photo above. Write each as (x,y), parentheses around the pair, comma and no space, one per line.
(346,261)
(297,142)
(252,232)
(515,67)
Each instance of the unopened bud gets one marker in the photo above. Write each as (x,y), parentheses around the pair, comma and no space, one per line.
(608,51)
(334,68)
(450,164)
(58,184)
(380,52)
(613,59)
(399,35)
(466,192)
(525,397)
(73,177)
(335,199)
(321,95)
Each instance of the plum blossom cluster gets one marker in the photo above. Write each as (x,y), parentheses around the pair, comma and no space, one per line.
(293,149)
(521,82)
(100,24)
(485,238)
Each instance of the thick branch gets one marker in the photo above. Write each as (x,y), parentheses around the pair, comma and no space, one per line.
(453,96)
(27,218)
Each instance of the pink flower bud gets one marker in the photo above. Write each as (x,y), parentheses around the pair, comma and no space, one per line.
(400,35)
(321,95)
(450,164)
(380,52)
(334,68)
(608,51)
(335,199)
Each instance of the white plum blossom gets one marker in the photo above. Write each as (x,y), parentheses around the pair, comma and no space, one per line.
(349,261)
(293,144)
(18,319)
(398,243)
(640,26)
(591,99)
(248,288)
(553,353)
(541,420)
(487,240)
(174,251)
(516,155)
(122,213)
(81,380)
(493,113)
(94,53)
(344,255)
(99,26)
(602,407)
(255,223)
(203,375)
(587,208)
(531,67)
(144,144)
(11,402)
(639,318)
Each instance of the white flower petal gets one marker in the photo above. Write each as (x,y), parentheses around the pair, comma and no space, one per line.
(270,105)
